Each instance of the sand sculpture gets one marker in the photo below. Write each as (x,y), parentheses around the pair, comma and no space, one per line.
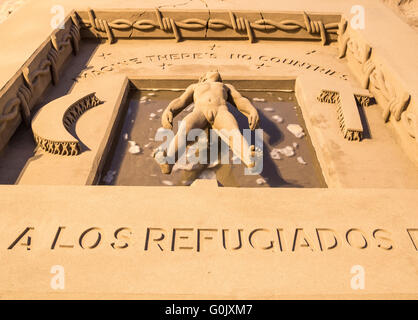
(210,98)
(323,206)
(393,94)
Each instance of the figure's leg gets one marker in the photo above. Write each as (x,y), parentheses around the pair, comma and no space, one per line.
(227,127)
(194,120)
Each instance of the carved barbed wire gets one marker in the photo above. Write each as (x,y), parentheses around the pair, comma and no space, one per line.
(30,79)
(72,38)
(411,124)
(53,57)
(333,97)
(342,38)
(240,25)
(9,113)
(361,52)
(395,101)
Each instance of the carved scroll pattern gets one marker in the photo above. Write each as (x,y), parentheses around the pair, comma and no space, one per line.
(343,38)
(411,124)
(9,113)
(68,148)
(360,52)
(241,25)
(393,99)
(31,79)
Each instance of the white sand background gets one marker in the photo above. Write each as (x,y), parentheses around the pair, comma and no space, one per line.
(7,7)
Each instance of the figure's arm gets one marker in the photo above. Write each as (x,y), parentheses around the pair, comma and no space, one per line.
(244,106)
(176,106)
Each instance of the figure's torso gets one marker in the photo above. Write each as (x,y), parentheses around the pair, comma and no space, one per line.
(210,95)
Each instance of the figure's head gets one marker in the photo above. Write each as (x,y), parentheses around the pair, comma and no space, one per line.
(211,76)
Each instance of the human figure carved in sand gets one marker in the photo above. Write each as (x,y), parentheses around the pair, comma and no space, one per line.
(210,96)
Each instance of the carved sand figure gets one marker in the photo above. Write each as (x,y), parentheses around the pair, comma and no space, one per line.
(210,96)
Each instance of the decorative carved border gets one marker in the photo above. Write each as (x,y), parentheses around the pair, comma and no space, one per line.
(63,148)
(372,73)
(240,25)
(395,96)
(78,108)
(26,88)
(24,100)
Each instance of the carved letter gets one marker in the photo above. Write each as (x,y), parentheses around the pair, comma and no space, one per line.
(347,236)
(124,237)
(413,237)
(162,236)
(239,246)
(327,246)
(95,244)
(250,239)
(199,231)
(181,237)
(28,241)
(307,243)
(56,240)
(389,245)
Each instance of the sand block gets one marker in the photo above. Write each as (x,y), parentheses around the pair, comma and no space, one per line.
(262,243)
(94,130)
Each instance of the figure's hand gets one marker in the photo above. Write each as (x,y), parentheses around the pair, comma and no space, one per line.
(167,119)
(253,120)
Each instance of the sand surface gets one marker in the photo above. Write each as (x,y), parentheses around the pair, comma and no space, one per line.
(7,7)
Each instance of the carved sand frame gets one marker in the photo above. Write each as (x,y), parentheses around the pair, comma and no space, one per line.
(218,24)
(21,93)
(19,96)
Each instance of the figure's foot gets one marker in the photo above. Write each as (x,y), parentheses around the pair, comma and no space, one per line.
(166,168)
(160,156)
